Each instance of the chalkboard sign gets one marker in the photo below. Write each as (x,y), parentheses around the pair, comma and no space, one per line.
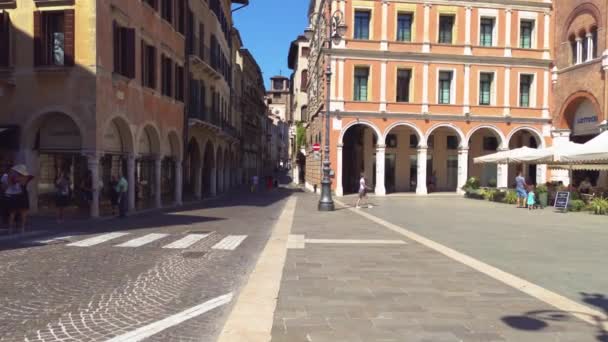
(561,199)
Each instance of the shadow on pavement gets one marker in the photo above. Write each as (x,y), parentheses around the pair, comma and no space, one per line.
(542,319)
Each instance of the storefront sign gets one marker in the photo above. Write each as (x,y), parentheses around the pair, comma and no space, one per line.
(585,120)
(561,200)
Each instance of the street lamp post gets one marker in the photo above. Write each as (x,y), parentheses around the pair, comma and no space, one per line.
(335,31)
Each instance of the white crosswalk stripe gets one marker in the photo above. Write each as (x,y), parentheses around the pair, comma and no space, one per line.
(186,241)
(146,239)
(97,239)
(230,242)
(54,239)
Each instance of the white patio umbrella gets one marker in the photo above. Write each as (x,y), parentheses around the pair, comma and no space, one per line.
(594,151)
(517,155)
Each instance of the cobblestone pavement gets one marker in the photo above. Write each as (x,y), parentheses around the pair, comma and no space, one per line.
(365,292)
(53,291)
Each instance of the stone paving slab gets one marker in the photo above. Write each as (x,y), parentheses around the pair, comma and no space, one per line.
(400,292)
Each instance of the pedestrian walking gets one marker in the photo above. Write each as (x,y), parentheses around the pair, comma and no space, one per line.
(362,192)
(531,198)
(520,188)
(17,201)
(62,195)
(122,189)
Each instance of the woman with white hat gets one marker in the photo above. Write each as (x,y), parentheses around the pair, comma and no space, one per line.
(16,199)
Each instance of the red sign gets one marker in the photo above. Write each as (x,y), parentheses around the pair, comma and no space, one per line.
(316,147)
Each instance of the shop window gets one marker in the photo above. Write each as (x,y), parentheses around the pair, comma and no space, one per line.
(361,79)
(404,27)
(490,143)
(486,31)
(124,50)
(452,142)
(5,38)
(403,85)
(362,19)
(148,63)
(446,28)
(54,38)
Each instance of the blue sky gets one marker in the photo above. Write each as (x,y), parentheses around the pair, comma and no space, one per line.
(267,28)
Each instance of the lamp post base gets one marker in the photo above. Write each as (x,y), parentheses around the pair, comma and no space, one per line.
(326,203)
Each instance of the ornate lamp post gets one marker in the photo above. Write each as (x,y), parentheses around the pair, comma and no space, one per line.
(334,28)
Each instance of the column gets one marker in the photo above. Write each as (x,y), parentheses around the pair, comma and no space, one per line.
(93,165)
(467,35)
(508,33)
(384,38)
(341,80)
(560,137)
(507,98)
(179,181)
(421,168)
(131,181)
(579,50)
(334,85)
(545,111)
(383,86)
(546,51)
(502,176)
(32,161)
(467,82)
(425,88)
(541,174)
(463,168)
(158,162)
(380,173)
(589,46)
(213,185)
(339,189)
(198,181)
(426,42)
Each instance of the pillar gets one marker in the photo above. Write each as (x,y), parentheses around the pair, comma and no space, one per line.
(179,181)
(502,176)
(384,32)
(426,42)
(213,185)
(383,85)
(463,168)
(198,182)
(131,181)
(421,169)
(32,161)
(507,92)
(589,38)
(380,173)
(93,165)
(560,137)
(158,202)
(508,20)
(579,50)
(545,110)
(467,35)
(547,29)
(467,81)
(339,189)
(425,88)
(541,174)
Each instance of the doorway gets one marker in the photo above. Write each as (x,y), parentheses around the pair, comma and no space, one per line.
(389,172)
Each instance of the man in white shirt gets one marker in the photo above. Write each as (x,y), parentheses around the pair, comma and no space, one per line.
(362,191)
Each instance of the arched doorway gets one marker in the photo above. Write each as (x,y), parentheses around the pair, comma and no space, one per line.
(117,143)
(529,138)
(444,142)
(192,165)
(168,170)
(358,156)
(148,149)
(482,141)
(401,160)
(58,143)
(209,176)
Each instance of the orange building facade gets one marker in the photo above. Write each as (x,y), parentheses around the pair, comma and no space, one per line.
(434,81)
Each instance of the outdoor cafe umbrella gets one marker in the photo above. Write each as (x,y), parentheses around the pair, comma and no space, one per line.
(595,151)
(518,155)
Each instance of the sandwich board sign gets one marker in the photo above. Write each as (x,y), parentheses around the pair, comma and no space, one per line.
(561,200)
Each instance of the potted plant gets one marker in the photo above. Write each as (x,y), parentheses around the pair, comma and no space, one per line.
(543,195)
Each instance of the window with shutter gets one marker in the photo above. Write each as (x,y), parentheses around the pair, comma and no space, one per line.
(54,43)
(361,79)
(304,83)
(486,32)
(362,19)
(404,27)
(124,50)
(485,88)
(403,85)
(525,85)
(446,28)
(166,10)
(445,87)
(5,38)
(526,27)
(179,82)
(148,65)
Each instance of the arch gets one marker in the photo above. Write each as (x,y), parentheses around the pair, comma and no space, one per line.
(360,122)
(33,125)
(151,132)
(531,129)
(402,123)
(174,145)
(209,154)
(566,114)
(461,137)
(585,8)
(499,134)
(126,136)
